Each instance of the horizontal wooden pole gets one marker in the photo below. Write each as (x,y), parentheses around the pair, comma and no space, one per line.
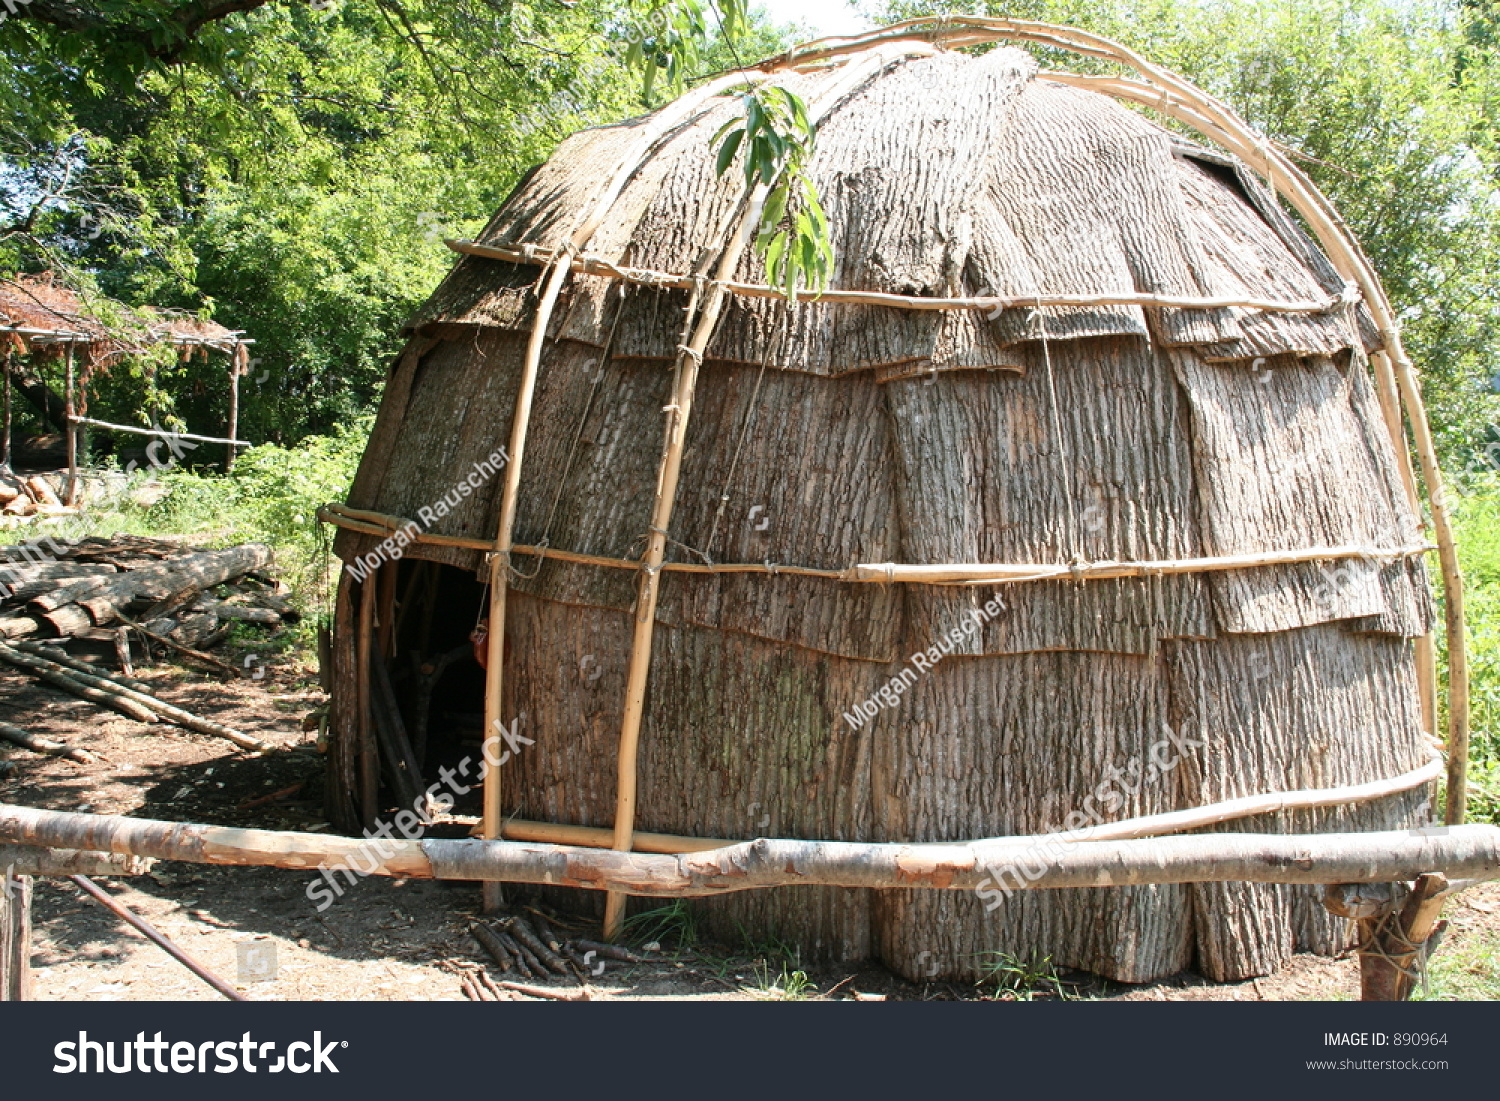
(1469,852)
(162,432)
(604,269)
(980,573)
(68,336)
(40,860)
(970,573)
(602,837)
(1146,825)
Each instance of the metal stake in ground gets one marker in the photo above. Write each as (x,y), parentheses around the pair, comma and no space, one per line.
(159,939)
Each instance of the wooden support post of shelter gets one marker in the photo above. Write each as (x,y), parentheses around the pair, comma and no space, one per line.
(369,758)
(675,114)
(70,429)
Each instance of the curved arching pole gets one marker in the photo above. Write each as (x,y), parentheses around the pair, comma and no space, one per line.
(709,305)
(677,114)
(1395,376)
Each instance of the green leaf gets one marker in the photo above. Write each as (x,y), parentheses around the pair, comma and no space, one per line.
(727,151)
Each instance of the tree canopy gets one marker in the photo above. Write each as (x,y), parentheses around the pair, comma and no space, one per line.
(290,167)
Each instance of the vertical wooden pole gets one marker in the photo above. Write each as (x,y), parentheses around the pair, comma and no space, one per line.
(678,413)
(70,433)
(385,610)
(369,762)
(494,749)
(669,118)
(234,406)
(5,432)
(15,937)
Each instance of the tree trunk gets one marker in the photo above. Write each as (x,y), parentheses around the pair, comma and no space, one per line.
(33,389)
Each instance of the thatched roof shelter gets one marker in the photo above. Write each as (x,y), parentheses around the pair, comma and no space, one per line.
(1075,502)
(43,318)
(40,311)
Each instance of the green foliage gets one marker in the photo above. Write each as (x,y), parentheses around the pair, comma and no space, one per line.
(1022,980)
(1477,520)
(788,986)
(774,140)
(291,170)
(1463,969)
(673,924)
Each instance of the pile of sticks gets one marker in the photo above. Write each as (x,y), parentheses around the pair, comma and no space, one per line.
(125,591)
(115,691)
(527,946)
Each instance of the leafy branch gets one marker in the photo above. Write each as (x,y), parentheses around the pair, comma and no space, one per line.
(773,138)
(776,139)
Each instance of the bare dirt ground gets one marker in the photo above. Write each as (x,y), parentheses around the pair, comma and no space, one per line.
(389,939)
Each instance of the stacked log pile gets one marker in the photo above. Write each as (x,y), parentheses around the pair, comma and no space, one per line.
(123,591)
(184,597)
(20,497)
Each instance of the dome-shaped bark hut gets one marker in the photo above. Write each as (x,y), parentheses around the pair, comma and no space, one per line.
(1079,499)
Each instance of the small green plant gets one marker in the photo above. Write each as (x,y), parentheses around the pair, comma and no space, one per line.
(1463,971)
(789,986)
(672,924)
(1022,980)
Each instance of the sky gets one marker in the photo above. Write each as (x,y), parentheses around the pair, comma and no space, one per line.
(822,17)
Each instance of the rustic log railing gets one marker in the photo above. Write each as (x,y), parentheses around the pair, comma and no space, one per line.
(1468,853)
(1397,924)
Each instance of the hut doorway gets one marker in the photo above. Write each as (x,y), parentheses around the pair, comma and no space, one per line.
(435,678)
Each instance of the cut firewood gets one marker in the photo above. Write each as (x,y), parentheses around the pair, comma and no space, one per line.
(16,736)
(112,696)
(191,571)
(208,659)
(194,629)
(18,626)
(518,928)
(25,572)
(484,980)
(492,946)
(225,610)
(276,604)
(41,492)
(122,651)
(526,963)
(547,993)
(609,951)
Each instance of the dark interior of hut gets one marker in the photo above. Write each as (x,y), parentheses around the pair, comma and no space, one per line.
(435,674)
